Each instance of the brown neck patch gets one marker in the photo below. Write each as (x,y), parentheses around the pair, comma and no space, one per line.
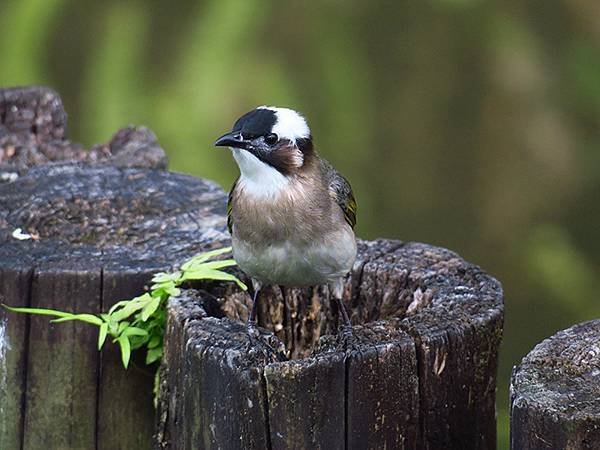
(287,158)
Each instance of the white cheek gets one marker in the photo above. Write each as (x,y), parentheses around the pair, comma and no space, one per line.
(256,177)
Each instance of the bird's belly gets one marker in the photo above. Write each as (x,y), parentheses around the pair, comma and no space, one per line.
(290,263)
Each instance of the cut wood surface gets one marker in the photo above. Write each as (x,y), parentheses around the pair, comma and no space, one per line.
(555,393)
(419,372)
(102,222)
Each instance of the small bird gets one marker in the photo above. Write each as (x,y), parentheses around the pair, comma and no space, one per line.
(291,215)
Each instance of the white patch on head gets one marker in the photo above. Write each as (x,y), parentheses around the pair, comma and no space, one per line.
(256,177)
(290,124)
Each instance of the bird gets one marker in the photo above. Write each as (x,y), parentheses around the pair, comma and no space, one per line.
(291,215)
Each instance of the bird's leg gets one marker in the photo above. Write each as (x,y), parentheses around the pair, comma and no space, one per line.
(257,342)
(256,286)
(337,289)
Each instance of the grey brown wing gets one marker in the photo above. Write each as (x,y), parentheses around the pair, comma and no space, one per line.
(341,191)
(229,208)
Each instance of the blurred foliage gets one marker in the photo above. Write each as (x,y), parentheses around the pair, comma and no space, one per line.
(470,124)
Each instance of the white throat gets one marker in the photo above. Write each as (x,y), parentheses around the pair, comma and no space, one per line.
(256,177)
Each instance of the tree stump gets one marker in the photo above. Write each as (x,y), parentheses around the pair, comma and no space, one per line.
(419,373)
(555,393)
(102,222)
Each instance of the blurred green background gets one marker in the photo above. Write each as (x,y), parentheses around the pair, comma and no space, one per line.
(469,124)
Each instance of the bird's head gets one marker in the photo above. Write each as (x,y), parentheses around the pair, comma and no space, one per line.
(268,143)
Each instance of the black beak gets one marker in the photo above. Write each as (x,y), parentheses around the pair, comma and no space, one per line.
(233,139)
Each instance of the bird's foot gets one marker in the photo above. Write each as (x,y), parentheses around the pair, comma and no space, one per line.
(346,339)
(253,332)
(345,331)
(260,344)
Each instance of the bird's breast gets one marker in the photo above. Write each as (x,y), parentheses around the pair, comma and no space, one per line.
(297,237)
(298,263)
(301,211)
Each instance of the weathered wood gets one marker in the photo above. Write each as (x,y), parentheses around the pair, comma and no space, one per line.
(419,373)
(183,310)
(34,111)
(382,390)
(223,404)
(33,131)
(129,425)
(455,317)
(555,393)
(15,287)
(219,353)
(103,222)
(306,402)
(62,364)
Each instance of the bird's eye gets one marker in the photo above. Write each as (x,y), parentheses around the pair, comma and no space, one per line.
(271,138)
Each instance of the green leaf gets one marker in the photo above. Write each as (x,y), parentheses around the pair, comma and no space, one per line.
(118,305)
(39,311)
(113,328)
(211,274)
(174,292)
(137,341)
(202,257)
(163,277)
(122,327)
(160,293)
(219,264)
(153,354)
(154,341)
(88,318)
(198,273)
(62,315)
(102,334)
(164,285)
(131,306)
(168,288)
(134,331)
(125,350)
(150,307)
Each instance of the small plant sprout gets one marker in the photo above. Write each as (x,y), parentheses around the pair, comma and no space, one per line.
(140,322)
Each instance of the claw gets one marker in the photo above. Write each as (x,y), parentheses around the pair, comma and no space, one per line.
(258,344)
(253,332)
(346,331)
(346,339)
